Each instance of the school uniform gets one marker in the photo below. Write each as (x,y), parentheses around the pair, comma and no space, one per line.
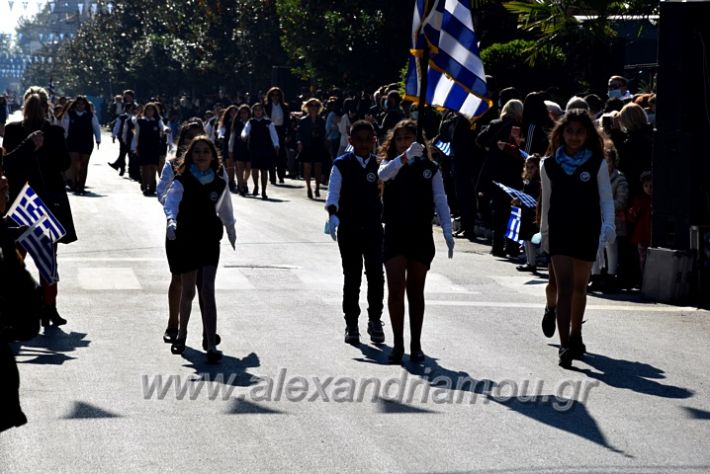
(237,146)
(147,140)
(576,204)
(129,129)
(412,192)
(123,147)
(262,142)
(81,129)
(200,211)
(279,116)
(353,190)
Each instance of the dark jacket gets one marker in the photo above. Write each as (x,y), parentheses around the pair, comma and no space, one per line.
(635,157)
(42,169)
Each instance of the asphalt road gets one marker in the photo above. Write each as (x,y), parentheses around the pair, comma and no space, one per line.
(291,396)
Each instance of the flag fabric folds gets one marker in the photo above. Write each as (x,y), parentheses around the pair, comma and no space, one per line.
(525,199)
(42,234)
(445,147)
(455,76)
(513,232)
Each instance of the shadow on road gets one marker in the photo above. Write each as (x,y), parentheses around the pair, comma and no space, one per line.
(229,371)
(51,347)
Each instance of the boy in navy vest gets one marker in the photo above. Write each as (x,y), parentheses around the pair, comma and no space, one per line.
(355,209)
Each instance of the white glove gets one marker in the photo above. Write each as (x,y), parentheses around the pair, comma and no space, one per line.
(170,231)
(608,233)
(449,237)
(415,150)
(333,223)
(232,236)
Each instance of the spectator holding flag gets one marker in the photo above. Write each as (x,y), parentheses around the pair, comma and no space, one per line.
(577,219)
(40,163)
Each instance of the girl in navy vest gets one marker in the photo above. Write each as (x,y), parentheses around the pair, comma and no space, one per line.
(224,133)
(81,128)
(197,206)
(355,211)
(312,151)
(577,220)
(239,150)
(263,144)
(413,189)
(148,145)
(278,112)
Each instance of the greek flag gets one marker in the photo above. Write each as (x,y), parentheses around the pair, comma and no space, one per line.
(456,79)
(525,199)
(445,147)
(349,148)
(513,232)
(43,231)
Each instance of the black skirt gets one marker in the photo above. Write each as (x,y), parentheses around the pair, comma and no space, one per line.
(185,256)
(412,245)
(570,242)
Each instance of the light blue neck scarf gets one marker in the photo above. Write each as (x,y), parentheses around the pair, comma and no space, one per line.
(570,163)
(204,177)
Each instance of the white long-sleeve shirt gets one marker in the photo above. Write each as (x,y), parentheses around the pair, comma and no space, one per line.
(173,198)
(606,200)
(272,132)
(166,178)
(66,123)
(335,182)
(117,131)
(389,170)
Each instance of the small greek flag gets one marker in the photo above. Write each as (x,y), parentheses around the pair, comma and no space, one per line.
(455,76)
(445,147)
(525,199)
(513,232)
(349,148)
(43,231)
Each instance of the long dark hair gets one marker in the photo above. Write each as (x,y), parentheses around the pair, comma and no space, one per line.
(388,150)
(216,164)
(595,141)
(192,125)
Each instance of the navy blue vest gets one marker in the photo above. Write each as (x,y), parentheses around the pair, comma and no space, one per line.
(574,199)
(149,137)
(260,143)
(80,137)
(360,204)
(408,198)
(197,216)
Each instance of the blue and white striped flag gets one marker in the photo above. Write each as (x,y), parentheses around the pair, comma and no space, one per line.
(456,79)
(44,231)
(349,148)
(445,147)
(525,199)
(513,232)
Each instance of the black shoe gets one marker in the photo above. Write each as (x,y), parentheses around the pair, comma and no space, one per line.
(549,322)
(170,335)
(498,253)
(526,268)
(577,347)
(178,346)
(217,341)
(256,191)
(113,165)
(565,354)
(417,357)
(596,283)
(281,181)
(243,191)
(233,188)
(374,329)
(395,356)
(264,197)
(310,194)
(51,316)
(352,335)
(214,356)
(317,193)
(122,171)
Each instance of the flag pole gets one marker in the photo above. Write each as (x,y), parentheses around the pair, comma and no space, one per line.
(423,78)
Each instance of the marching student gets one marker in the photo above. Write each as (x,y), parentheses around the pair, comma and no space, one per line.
(81,128)
(312,151)
(188,132)
(148,146)
(117,134)
(239,150)
(413,189)
(263,144)
(129,128)
(577,219)
(355,213)
(278,112)
(197,206)
(224,132)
